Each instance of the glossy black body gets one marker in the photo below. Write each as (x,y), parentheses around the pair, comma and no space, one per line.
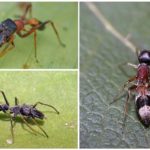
(7,28)
(26,110)
(144,57)
(4,107)
(142,101)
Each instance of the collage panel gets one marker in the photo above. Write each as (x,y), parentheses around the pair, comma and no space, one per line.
(38,109)
(35,35)
(114,75)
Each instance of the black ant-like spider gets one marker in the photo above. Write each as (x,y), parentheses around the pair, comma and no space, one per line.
(9,27)
(25,112)
(141,86)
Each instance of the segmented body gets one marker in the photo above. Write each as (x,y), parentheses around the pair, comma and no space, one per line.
(142,85)
(142,102)
(26,110)
(7,29)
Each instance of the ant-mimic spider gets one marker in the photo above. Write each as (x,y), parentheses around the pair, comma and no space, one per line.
(141,87)
(9,27)
(25,112)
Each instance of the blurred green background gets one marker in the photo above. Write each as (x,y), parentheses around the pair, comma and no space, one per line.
(56,88)
(101,78)
(50,53)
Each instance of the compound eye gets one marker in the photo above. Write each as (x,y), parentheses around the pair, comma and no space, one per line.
(144,57)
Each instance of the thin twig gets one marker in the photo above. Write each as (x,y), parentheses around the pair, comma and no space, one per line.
(109,26)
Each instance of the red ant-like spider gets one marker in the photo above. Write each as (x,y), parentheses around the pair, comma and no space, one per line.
(141,86)
(9,27)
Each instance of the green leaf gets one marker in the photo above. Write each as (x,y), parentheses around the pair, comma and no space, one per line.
(101,78)
(55,88)
(50,53)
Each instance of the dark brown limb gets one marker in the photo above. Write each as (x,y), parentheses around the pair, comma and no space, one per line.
(40,127)
(126,108)
(116,98)
(24,120)
(55,30)
(27,34)
(4,96)
(32,30)
(35,54)
(12,129)
(46,105)
(130,89)
(129,81)
(28,8)
(122,89)
(16,101)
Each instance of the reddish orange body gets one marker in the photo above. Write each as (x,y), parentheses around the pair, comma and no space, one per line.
(142,74)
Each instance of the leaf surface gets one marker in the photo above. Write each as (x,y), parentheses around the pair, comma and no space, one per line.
(101,78)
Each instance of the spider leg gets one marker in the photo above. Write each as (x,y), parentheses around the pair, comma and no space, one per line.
(35,54)
(40,127)
(4,96)
(132,88)
(55,30)
(27,9)
(16,101)
(124,86)
(46,105)
(132,65)
(129,81)
(12,131)
(38,26)
(27,34)
(24,120)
